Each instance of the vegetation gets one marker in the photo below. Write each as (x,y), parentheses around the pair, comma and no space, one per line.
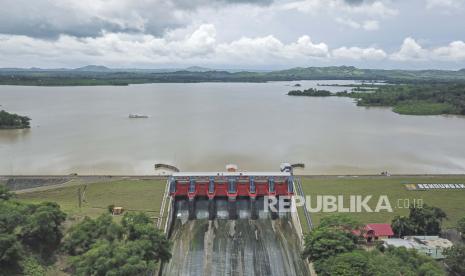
(103,247)
(418,99)
(461,227)
(393,261)
(9,120)
(455,257)
(311,92)
(105,76)
(29,234)
(333,236)
(412,99)
(336,250)
(94,236)
(450,201)
(426,220)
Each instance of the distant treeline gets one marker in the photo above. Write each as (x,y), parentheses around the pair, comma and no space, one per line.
(411,99)
(9,120)
(39,77)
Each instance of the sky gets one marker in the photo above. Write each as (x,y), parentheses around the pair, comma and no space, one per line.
(233,34)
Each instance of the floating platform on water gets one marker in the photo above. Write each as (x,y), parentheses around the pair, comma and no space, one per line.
(137,116)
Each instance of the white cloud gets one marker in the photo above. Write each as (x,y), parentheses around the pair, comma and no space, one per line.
(375,8)
(448,4)
(120,48)
(269,49)
(410,50)
(357,53)
(84,18)
(371,25)
(200,46)
(370,8)
(413,51)
(455,51)
(368,25)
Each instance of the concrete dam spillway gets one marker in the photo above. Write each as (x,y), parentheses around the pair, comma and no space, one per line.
(220,225)
(233,247)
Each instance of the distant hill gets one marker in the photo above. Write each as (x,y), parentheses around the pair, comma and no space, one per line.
(98,68)
(198,69)
(101,75)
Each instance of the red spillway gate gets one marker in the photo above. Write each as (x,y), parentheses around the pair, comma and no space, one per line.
(230,185)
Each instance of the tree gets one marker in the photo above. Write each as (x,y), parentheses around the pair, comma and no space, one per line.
(396,261)
(427,220)
(11,251)
(5,194)
(461,227)
(82,236)
(342,222)
(27,226)
(421,221)
(323,243)
(9,120)
(455,257)
(334,235)
(350,263)
(12,215)
(106,258)
(102,247)
(42,229)
(402,226)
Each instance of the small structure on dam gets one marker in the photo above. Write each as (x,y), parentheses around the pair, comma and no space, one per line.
(216,187)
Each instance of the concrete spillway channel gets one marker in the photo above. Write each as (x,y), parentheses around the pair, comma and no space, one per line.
(243,246)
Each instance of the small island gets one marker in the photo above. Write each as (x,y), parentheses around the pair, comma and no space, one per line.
(13,121)
(407,99)
(311,92)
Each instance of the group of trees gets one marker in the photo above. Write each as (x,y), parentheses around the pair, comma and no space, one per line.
(455,256)
(418,99)
(9,120)
(413,99)
(102,247)
(421,221)
(29,234)
(335,249)
(393,261)
(311,92)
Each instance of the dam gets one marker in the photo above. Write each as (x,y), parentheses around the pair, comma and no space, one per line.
(221,225)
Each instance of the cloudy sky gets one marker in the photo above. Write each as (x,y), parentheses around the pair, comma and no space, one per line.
(250,34)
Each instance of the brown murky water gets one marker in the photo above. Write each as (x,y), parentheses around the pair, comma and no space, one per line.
(204,126)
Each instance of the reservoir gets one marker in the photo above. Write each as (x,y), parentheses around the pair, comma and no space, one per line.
(203,126)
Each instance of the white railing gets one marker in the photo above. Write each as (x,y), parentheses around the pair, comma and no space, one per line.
(163,204)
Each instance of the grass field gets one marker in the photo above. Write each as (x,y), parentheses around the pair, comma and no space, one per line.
(132,195)
(451,201)
(146,195)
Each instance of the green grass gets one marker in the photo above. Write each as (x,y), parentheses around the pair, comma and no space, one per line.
(451,201)
(132,195)
(422,108)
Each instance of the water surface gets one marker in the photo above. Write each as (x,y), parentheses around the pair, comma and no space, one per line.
(204,126)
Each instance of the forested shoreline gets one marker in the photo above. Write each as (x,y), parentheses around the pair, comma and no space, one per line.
(408,99)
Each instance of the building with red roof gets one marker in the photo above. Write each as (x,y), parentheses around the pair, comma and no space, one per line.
(376,231)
